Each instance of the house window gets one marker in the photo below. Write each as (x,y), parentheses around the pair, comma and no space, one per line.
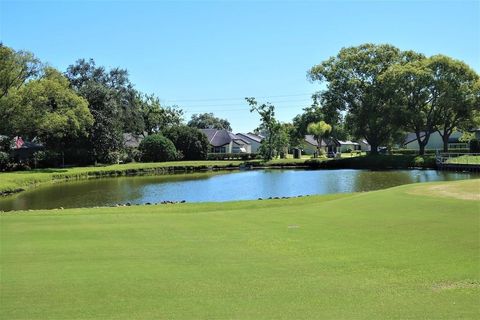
(458,145)
(218,150)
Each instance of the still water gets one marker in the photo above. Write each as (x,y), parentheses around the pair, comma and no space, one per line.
(220,186)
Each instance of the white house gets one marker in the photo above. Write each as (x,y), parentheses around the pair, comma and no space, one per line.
(255,140)
(310,145)
(333,145)
(364,145)
(435,142)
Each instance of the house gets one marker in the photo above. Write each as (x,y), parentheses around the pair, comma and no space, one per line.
(435,142)
(255,140)
(24,150)
(335,145)
(131,140)
(477,133)
(310,145)
(223,141)
(364,145)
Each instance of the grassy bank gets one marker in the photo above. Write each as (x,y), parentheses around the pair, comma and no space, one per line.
(377,162)
(465,159)
(410,252)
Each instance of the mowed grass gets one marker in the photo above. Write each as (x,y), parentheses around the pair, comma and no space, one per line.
(389,254)
(465,160)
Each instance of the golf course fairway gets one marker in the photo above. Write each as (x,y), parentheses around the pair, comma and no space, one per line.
(409,252)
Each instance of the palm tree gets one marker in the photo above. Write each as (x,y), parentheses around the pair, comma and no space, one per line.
(319,130)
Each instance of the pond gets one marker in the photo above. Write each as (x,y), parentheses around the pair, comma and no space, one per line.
(216,186)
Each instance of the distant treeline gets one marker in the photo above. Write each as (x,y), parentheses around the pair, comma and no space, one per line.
(374,92)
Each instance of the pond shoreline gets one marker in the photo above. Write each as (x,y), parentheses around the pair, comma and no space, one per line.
(215,185)
(20,181)
(94,174)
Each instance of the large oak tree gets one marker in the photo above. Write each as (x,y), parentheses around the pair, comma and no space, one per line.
(352,78)
(46,109)
(209,121)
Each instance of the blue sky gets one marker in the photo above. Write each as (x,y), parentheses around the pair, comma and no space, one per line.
(207,56)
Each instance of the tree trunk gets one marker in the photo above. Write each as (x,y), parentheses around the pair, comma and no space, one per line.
(445,139)
(319,142)
(422,143)
(421,150)
(373,149)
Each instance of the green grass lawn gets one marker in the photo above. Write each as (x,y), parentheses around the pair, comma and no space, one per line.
(465,160)
(401,253)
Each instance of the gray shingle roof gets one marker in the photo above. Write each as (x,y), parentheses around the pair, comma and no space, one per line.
(251,136)
(131,140)
(311,140)
(218,138)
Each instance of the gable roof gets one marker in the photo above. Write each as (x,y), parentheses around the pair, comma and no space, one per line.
(251,136)
(131,140)
(311,140)
(347,142)
(218,138)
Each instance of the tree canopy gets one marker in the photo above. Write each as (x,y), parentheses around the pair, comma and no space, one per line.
(319,130)
(47,109)
(209,121)
(353,84)
(157,118)
(435,93)
(276,134)
(16,67)
(190,142)
(157,148)
(375,92)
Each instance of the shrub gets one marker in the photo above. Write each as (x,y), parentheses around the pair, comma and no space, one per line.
(131,155)
(475,146)
(418,161)
(380,162)
(5,143)
(4,161)
(231,156)
(80,155)
(191,142)
(49,158)
(156,147)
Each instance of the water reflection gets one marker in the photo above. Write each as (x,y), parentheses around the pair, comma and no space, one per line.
(220,186)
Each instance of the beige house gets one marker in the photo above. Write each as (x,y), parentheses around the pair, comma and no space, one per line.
(310,145)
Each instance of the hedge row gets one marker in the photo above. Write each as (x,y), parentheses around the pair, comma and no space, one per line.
(231,156)
(376,162)
(427,151)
